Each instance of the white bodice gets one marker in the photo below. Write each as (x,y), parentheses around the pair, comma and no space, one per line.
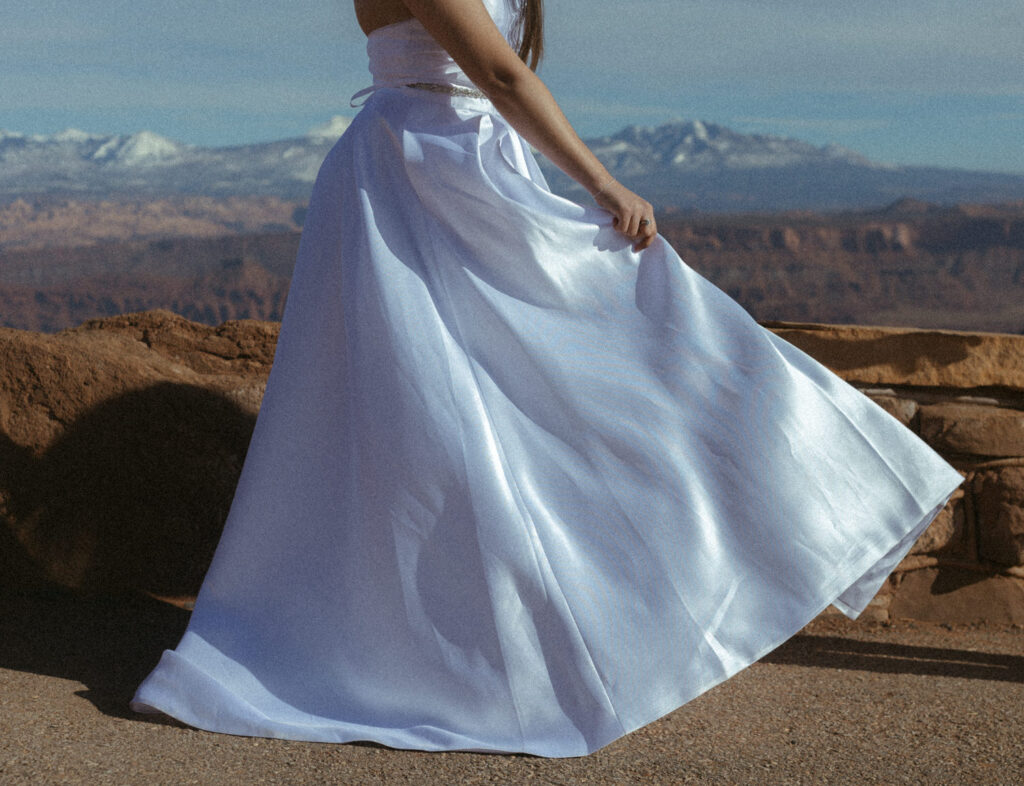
(405,52)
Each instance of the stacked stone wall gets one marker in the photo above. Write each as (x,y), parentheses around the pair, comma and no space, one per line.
(963,393)
(121,442)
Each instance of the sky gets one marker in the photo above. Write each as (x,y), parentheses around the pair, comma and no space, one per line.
(931,82)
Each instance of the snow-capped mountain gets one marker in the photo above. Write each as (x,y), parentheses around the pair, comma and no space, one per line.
(331,130)
(79,163)
(687,164)
(694,145)
(142,149)
(74,148)
(696,165)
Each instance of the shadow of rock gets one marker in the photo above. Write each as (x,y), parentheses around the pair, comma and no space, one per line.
(951,594)
(947,580)
(108,643)
(834,652)
(133,494)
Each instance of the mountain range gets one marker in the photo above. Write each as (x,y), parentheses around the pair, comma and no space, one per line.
(690,165)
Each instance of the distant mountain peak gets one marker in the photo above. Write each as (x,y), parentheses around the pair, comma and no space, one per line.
(72,135)
(140,149)
(331,130)
(700,145)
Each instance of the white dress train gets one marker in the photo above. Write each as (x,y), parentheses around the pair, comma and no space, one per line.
(514,487)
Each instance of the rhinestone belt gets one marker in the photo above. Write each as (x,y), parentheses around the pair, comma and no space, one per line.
(452,90)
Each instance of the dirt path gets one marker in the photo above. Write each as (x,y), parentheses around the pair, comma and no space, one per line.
(842,702)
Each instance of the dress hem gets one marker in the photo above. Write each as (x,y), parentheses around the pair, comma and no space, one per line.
(869,558)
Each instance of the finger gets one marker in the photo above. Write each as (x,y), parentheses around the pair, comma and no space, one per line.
(622,223)
(648,234)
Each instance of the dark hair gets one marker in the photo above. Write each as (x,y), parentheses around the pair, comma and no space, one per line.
(530,32)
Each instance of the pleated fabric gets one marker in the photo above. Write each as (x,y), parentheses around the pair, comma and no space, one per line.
(513,486)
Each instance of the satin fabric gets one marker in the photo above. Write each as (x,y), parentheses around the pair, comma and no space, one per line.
(514,487)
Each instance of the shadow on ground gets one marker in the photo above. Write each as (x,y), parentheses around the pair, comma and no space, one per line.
(107,643)
(835,652)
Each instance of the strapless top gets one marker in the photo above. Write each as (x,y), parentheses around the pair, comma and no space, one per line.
(404,52)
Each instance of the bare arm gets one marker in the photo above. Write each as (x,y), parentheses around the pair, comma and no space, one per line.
(466,31)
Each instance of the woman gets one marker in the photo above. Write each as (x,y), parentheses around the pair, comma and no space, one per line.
(521,480)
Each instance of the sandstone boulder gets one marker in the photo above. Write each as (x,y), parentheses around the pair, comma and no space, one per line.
(999,503)
(903,409)
(958,596)
(973,429)
(901,356)
(948,534)
(120,446)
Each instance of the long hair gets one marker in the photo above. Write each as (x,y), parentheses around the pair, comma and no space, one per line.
(529,31)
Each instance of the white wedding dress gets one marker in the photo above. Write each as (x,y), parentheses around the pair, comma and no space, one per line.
(514,487)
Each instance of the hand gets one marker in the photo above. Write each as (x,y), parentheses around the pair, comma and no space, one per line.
(633,216)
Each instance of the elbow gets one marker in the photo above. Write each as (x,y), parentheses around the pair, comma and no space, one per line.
(505,83)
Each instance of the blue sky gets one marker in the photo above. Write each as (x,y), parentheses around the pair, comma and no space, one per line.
(914,81)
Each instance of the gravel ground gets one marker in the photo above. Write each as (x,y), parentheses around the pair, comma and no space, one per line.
(842,702)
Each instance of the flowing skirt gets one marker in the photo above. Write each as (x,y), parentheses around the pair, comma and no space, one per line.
(514,487)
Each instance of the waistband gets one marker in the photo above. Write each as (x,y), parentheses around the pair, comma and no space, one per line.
(434,87)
